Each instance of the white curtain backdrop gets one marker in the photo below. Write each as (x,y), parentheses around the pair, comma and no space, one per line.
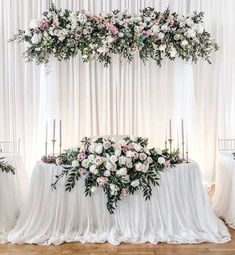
(124,98)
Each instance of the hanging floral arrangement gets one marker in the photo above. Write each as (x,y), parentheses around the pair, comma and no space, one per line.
(150,34)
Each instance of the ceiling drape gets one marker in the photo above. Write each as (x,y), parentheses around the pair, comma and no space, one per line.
(124,98)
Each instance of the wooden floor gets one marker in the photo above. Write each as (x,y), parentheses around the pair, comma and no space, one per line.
(122,249)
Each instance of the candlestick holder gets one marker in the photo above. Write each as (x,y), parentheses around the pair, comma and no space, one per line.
(183,151)
(53,146)
(60,148)
(187,157)
(45,148)
(170,143)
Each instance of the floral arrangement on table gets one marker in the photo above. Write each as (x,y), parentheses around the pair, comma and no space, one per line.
(119,168)
(152,34)
(7,168)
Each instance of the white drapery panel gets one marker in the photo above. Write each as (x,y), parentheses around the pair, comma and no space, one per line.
(124,98)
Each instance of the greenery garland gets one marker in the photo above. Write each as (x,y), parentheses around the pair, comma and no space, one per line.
(119,168)
(7,168)
(150,34)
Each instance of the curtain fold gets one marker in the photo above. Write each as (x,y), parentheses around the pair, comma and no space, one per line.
(123,98)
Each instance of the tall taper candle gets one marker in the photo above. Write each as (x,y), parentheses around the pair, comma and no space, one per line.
(60,132)
(54,129)
(182,127)
(178,142)
(187,147)
(170,128)
(166,139)
(46,138)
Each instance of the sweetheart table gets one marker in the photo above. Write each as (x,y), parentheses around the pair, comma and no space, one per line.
(12,190)
(178,212)
(224,196)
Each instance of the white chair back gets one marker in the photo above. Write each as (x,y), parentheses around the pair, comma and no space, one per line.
(10,147)
(226,144)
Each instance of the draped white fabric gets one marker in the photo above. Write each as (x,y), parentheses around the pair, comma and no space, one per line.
(124,98)
(224,196)
(178,212)
(11,200)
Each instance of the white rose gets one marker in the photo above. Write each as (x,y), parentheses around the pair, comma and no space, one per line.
(120,34)
(118,152)
(75,163)
(28,32)
(133,138)
(98,161)
(93,169)
(177,37)
(122,160)
(107,145)
(189,22)
(158,151)
(122,171)
(93,189)
(92,147)
(137,147)
(33,23)
(82,18)
(135,183)
(109,166)
(199,28)
(184,43)
(113,158)
(161,160)
(162,47)
(110,39)
(173,52)
(85,163)
(36,38)
(146,167)
(161,35)
(190,33)
(164,27)
(150,160)
(142,156)
(91,158)
(122,142)
(58,161)
(130,154)
(99,148)
(129,163)
(107,173)
(114,189)
(155,28)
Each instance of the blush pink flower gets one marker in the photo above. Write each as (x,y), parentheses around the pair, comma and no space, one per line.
(139,167)
(111,28)
(102,181)
(125,149)
(43,24)
(81,156)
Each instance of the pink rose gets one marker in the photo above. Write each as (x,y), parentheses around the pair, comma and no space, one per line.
(125,149)
(125,192)
(145,33)
(167,163)
(111,28)
(83,171)
(139,167)
(102,181)
(43,24)
(81,156)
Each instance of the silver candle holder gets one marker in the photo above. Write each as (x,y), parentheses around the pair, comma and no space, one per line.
(170,143)
(53,146)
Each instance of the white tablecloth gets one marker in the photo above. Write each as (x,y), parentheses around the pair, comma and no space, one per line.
(178,212)
(12,191)
(224,197)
